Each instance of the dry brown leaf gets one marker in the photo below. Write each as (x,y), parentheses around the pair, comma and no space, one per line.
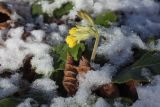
(5,14)
(28,72)
(69,81)
(108,90)
(132,89)
(84,65)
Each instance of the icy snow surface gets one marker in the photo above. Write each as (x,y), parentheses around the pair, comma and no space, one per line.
(141,19)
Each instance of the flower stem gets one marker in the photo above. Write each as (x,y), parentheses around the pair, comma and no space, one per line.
(95,47)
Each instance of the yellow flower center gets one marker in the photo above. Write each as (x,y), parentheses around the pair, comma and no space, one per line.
(71,41)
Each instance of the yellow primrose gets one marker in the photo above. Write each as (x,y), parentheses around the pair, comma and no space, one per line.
(77,34)
(71,41)
(72,30)
(81,33)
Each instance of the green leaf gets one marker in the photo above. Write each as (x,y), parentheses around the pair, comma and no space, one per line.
(61,50)
(9,102)
(65,8)
(150,60)
(104,19)
(77,51)
(39,97)
(151,42)
(60,55)
(57,13)
(36,9)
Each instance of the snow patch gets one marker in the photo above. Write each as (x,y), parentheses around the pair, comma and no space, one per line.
(118,45)
(15,49)
(9,86)
(149,95)
(29,102)
(45,86)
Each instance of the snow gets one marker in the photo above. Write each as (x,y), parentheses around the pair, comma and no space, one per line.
(63,29)
(101,103)
(114,47)
(45,86)
(9,86)
(54,39)
(87,83)
(93,79)
(37,35)
(141,15)
(149,95)
(29,102)
(18,1)
(140,21)
(42,61)
(48,7)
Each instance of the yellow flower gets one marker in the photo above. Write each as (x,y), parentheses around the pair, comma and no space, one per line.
(71,41)
(82,33)
(72,30)
(77,34)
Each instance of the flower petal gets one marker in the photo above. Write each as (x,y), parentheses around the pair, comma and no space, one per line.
(71,41)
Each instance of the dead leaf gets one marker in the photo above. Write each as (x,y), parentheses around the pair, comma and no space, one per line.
(5,14)
(108,90)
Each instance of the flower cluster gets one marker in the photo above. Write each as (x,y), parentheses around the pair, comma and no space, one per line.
(82,33)
(77,34)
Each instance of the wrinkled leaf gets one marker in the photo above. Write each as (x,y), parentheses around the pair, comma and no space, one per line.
(61,54)
(105,19)
(76,51)
(61,50)
(150,61)
(9,102)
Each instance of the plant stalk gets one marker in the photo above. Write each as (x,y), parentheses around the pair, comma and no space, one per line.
(95,47)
